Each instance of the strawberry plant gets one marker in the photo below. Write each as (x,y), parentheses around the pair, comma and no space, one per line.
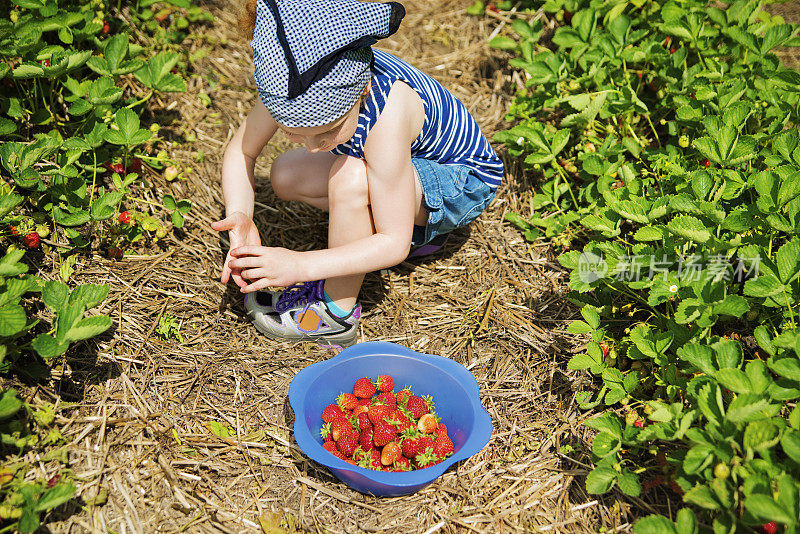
(663,136)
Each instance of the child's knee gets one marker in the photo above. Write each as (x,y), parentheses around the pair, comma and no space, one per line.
(348,182)
(283,177)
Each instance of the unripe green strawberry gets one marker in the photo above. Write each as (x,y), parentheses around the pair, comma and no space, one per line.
(721,470)
(684,141)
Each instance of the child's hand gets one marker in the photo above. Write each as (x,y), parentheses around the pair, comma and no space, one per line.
(241,232)
(265,266)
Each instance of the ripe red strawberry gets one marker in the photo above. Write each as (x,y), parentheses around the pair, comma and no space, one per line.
(135,166)
(325,432)
(124,217)
(340,427)
(673,50)
(45,63)
(402,396)
(442,446)
(383,433)
(441,429)
(769,528)
(417,406)
(385,383)
(427,424)
(347,401)
(390,453)
(347,443)
(386,398)
(639,423)
(705,162)
(13,230)
(365,402)
(666,41)
(358,410)
(53,481)
(363,388)
(426,459)
(31,240)
(371,460)
(106,27)
(400,421)
(331,413)
(379,412)
(416,444)
(402,464)
(363,421)
(365,439)
(329,446)
(338,454)
(118,168)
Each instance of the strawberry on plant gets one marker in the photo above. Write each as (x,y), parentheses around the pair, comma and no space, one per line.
(118,168)
(13,230)
(45,63)
(683,141)
(53,481)
(331,413)
(639,423)
(364,388)
(124,217)
(666,41)
(106,27)
(705,162)
(135,166)
(170,173)
(769,528)
(31,240)
(385,383)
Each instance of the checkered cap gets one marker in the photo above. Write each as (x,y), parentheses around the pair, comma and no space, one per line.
(313,57)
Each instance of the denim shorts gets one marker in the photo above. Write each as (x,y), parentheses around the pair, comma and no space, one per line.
(453,195)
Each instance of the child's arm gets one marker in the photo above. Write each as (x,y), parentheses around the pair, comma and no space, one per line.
(238,164)
(391,178)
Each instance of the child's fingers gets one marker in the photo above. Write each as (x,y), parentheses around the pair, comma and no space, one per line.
(225,224)
(258,285)
(247,250)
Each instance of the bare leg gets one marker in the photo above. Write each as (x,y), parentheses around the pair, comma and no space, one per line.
(337,184)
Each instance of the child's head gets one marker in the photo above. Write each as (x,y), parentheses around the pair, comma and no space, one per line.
(313,59)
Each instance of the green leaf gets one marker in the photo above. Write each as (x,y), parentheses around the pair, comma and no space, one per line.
(649,233)
(655,524)
(591,316)
(71,219)
(702,497)
(605,444)
(787,260)
(28,521)
(735,380)
(579,327)
(628,483)
(763,286)
(790,442)
(787,367)
(10,265)
(89,327)
(765,507)
(600,480)
(104,207)
(734,305)
(9,404)
(54,294)
(55,496)
(12,319)
(47,347)
(760,434)
(745,408)
(686,522)
(690,228)
(503,42)
(89,295)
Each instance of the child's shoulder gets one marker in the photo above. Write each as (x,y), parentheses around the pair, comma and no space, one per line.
(402,117)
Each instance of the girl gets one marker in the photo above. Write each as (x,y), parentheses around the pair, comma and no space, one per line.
(393,157)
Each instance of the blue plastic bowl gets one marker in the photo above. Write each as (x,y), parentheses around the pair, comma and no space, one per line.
(454,390)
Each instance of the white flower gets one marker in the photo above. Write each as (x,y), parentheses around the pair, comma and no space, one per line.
(673,288)
(520,140)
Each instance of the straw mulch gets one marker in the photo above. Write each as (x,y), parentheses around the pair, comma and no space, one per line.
(145,429)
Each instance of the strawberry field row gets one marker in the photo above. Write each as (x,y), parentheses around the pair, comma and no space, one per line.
(77,144)
(663,140)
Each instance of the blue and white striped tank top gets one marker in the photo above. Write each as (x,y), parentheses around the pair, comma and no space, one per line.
(449,135)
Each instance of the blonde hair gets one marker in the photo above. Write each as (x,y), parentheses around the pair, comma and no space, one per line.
(247,18)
